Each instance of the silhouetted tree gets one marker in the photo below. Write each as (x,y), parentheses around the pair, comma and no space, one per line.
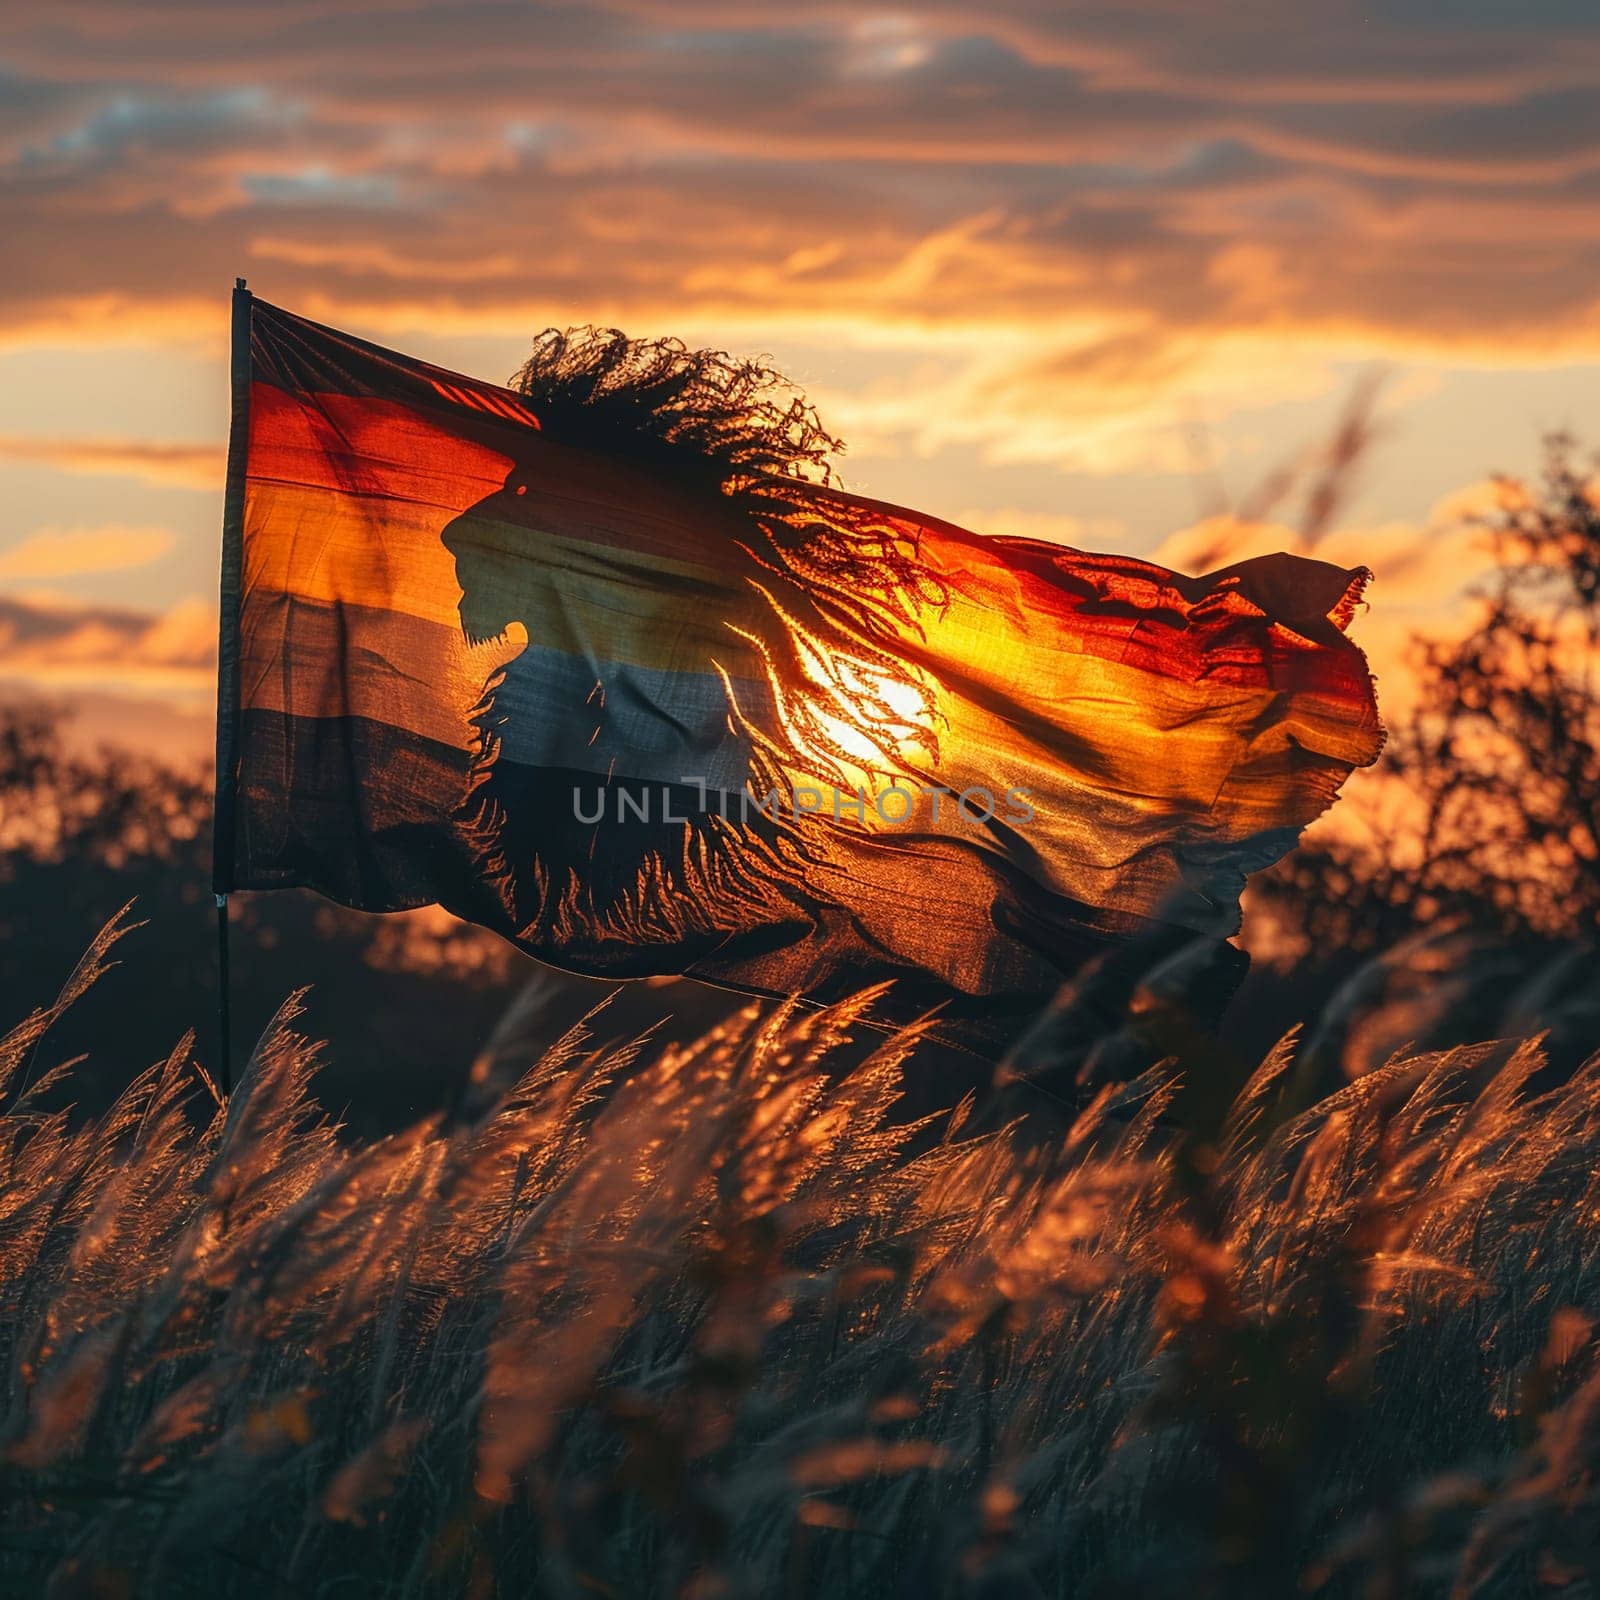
(1506,743)
(1502,750)
(109,809)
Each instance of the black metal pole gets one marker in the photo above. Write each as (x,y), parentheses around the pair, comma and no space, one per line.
(224,997)
(222,828)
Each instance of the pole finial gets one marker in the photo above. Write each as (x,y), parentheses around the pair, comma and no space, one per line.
(239,283)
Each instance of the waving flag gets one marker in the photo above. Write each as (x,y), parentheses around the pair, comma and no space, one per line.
(774,736)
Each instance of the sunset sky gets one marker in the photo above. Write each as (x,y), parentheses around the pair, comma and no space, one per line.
(1086,272)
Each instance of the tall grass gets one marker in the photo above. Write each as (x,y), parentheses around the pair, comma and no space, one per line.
(713,1320)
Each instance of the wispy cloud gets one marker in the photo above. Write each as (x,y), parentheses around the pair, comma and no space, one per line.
(140,679)
(60,642)
(55,553)
(1092,212)
(184,466)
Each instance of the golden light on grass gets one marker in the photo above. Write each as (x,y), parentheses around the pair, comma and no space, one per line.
(727,1278)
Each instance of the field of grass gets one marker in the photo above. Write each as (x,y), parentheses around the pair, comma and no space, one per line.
(716,1320)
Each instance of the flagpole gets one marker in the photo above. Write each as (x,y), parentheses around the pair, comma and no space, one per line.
(222,824)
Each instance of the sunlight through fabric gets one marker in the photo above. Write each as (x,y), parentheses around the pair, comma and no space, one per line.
(781,738)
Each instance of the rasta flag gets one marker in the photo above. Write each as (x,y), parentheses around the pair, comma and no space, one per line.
(581,664)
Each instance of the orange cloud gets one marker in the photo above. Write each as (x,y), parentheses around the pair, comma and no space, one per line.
(182,466)
(74,552)
(1174,175)
(1033,235)
(53,643)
